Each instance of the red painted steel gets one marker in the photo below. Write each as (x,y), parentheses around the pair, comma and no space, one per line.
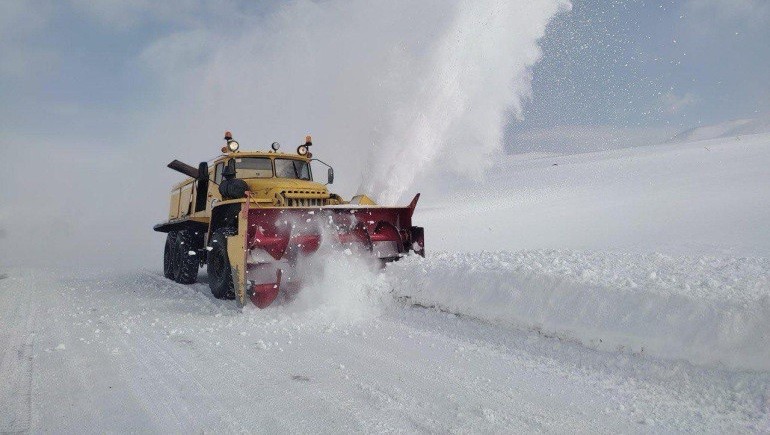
(289,233)
(263,295)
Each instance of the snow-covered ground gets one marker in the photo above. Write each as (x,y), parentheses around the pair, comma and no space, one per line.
(135,353)
(623,291)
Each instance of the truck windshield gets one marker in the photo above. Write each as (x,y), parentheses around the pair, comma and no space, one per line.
(253,167)
(290,168)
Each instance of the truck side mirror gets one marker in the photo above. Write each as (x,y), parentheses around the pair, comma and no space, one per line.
(330,176)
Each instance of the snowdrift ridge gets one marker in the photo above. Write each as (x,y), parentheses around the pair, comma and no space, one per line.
(709,311)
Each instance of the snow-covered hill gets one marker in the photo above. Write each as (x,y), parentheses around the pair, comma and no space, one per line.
(622,291)
(700,198)
(727,129)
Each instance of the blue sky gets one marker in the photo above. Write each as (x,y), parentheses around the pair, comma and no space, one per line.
(75,69)
(644,69)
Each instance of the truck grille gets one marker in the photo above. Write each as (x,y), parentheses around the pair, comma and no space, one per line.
(304,198)
(304,202)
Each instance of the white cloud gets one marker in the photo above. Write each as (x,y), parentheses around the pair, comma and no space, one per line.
(122,15)
(180,51)
(20,17)
(704,16)
(19,21)
(741,9)
(673,104)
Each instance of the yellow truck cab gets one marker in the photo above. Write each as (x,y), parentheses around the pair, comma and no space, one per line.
(274,178)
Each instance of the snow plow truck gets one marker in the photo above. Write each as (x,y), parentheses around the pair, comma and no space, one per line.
(250,217)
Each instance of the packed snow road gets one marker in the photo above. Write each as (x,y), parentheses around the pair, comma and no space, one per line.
(135,352)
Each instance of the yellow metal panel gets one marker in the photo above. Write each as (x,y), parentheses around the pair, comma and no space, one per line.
(173,211)
(185,199)
(236,253)
(362,200)
(213,194)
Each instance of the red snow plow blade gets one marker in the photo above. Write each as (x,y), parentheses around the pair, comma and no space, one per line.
(277,238)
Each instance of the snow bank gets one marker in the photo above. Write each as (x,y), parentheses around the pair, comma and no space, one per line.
(709,311)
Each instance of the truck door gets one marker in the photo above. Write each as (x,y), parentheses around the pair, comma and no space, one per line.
(214,180)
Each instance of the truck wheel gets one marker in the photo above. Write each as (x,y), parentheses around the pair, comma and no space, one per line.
(186,264)
(169,256)
(218,267)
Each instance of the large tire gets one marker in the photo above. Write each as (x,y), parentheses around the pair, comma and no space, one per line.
(170,256)
(218,267)
(187,264)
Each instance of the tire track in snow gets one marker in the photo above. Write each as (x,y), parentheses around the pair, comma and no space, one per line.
(194,292)
(228,371)
(152,353)
(16,365)
(438,390)
(723,399)
(322,397)
(166,381)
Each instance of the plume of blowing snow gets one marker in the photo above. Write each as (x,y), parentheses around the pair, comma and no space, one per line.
(478,73)
(388,89)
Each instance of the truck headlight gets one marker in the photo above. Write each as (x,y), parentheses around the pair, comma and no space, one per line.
(232,146)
